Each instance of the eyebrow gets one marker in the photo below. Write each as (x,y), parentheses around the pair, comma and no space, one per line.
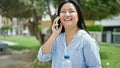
(68,9)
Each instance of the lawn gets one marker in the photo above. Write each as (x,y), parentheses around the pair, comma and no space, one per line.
(24,42)
(110,53)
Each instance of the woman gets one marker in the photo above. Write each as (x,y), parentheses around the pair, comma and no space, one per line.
(72,38)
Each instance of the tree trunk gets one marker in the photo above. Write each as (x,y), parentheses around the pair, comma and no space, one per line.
(38,34)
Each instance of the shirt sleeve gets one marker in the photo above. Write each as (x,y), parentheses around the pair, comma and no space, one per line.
(91,53)
(42,56)
(46,57)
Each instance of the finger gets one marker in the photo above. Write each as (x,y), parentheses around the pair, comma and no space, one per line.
(53,26)
(56,19)
(61,26)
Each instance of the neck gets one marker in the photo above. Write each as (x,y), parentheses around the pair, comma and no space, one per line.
(71,32)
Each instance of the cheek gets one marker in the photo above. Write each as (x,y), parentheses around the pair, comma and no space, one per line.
(75,18)
(61,18)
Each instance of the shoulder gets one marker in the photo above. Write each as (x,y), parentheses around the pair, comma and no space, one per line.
(84,35)
(87,39)
(89,42)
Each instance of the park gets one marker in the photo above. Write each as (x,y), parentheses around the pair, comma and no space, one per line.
(25,25)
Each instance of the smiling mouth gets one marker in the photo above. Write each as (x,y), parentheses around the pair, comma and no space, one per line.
(67,20)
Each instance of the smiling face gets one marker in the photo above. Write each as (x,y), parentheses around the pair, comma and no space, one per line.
(68,15)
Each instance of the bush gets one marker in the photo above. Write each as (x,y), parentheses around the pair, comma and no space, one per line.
(6,28)
(95,27)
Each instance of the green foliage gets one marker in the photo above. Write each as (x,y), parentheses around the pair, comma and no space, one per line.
(40,27)
(92,9)
(6,28)
(13,8)
(39,6)
(99,9)
(95,28)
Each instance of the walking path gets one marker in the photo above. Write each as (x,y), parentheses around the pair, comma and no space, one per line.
(18,59)
(9,43)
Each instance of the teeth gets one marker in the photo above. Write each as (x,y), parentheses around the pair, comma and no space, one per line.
(67,19)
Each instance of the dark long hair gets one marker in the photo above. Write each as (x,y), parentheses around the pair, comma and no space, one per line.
(81,23)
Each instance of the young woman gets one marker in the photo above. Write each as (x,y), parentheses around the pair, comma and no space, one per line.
(72,38)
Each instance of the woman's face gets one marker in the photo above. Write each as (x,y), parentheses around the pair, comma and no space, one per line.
(68,15)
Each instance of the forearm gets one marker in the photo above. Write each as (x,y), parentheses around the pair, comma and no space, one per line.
(47,47)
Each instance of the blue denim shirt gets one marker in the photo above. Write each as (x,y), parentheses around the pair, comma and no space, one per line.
(83,51)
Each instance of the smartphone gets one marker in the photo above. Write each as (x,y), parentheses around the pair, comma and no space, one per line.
(57,24)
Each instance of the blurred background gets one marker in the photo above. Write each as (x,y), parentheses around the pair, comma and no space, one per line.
(25,26)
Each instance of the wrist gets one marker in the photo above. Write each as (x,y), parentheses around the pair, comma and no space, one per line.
(54,34)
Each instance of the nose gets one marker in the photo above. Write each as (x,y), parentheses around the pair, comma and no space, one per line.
(67,13)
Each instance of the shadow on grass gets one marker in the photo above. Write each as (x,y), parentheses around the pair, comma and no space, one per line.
(24,47)
(104,55)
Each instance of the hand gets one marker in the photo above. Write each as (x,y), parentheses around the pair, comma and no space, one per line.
(54,31)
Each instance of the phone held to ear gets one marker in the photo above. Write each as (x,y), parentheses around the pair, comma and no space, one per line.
(57,25)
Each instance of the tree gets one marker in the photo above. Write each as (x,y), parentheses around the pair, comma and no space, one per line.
(99,9)
(13,8)
(35,9)
(93,9)
(25,9)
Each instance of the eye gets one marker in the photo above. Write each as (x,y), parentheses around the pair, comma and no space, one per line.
(63,12)
(72,11)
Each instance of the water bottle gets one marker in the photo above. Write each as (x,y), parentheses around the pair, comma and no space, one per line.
(66,62)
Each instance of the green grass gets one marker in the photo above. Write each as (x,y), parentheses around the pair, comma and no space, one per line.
(43,65)
(110,53)
(24,42)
